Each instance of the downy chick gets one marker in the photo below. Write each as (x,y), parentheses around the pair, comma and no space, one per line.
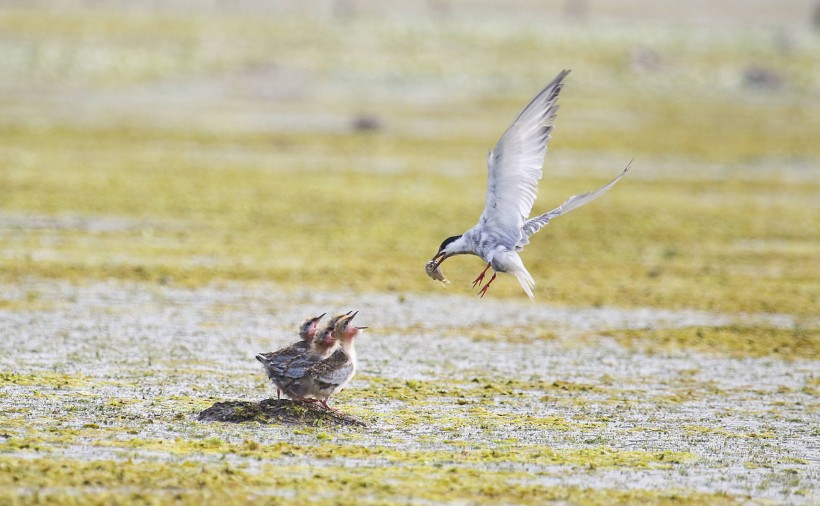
(278,358)
(329,376)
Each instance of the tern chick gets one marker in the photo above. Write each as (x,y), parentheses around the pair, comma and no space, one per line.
(307,331)
(331,375)
(514,169)
(284,374)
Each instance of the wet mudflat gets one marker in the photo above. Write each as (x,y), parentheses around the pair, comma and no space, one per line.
(182,182)
(497,401)
(276,411)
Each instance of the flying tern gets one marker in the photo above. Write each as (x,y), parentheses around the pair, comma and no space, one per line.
(513,172)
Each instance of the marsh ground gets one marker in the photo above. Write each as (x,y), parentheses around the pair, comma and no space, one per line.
(181,183)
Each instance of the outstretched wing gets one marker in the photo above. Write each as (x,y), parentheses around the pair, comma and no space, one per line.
(534,225)
(514,166)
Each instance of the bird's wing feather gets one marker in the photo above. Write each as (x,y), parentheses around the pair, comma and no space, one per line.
(514,166)
(298,367)
(338,375)
(333,370)
(534,225)
(285,354)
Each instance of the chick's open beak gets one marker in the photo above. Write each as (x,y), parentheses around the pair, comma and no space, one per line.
(350,317)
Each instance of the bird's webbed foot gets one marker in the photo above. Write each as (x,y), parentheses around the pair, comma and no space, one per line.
(332,410)
(483,291)
(480,277)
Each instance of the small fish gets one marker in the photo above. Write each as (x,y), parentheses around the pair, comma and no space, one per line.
(434,271)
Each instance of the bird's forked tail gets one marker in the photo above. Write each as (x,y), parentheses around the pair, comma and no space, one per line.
(509,262)
(526,281)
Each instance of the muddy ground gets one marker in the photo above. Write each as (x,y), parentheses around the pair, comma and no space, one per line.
(529,399)
(183,182)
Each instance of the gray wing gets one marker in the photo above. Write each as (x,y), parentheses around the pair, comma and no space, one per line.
(514,166)
(298,367)
(534,225)
(285,354)
(289,363)
(334,370)
(339,375)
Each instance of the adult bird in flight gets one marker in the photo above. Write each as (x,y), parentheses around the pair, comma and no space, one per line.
(513,172)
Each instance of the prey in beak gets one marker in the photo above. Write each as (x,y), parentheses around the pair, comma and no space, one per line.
(451,246)
(433,268)
(439,257)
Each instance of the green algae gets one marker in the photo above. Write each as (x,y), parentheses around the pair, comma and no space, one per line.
(734,340)
(696,429)
(409,390)
(517,334)
(812,387)
(57,481)
(492,442)
(723,226)
(45,379)
(593,457)
(479,398)
(201,204)
(609,263)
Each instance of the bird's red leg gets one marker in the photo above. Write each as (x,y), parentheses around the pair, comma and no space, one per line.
(483,291)
(278,393)
(332,410)
(480,276)
(337,412)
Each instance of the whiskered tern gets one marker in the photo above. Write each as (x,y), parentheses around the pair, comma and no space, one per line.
(513,172)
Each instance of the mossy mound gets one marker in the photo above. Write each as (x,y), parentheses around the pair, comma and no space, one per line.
(276,411)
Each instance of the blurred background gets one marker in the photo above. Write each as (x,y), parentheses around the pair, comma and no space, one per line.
(334,144)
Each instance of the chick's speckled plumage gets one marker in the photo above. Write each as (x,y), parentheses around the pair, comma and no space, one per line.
(276,360)
(329,376)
